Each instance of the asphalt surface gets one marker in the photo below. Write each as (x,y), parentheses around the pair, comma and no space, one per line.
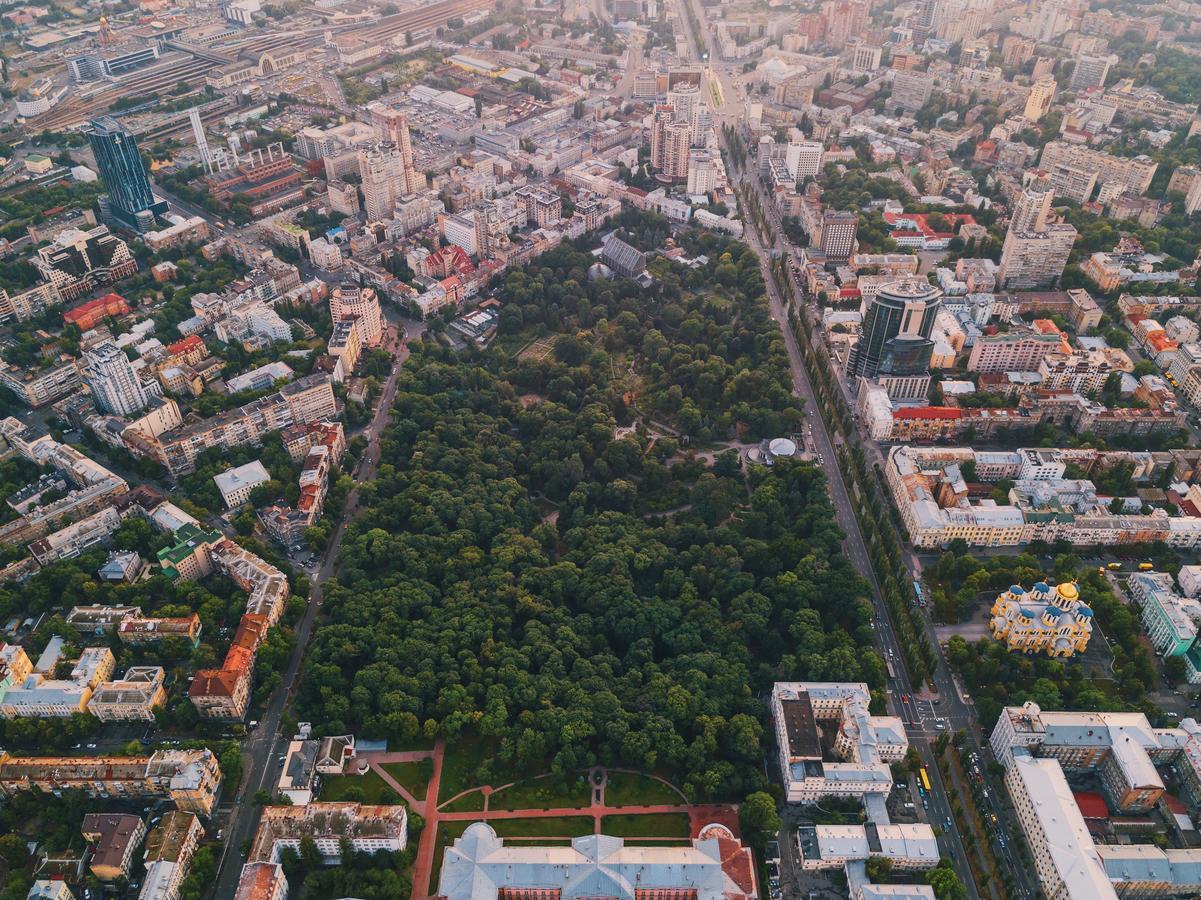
(901,695)
(260,766)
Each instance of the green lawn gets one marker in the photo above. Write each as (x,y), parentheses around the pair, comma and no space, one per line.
(368,788)
(413,775)
(447,832)
(629,789)
(564,826)
(668,825)
(543,793)
(469,802)
(461,764)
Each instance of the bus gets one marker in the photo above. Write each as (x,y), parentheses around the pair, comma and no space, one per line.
(925,779)
(1114,566)
(892,673)
(1145,567)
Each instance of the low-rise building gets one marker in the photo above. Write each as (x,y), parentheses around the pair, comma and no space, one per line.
(1126,754)
(714,866)
(169,850)
(114,838)
(1050,619)
(864,744)
(262,881)
(191,779)
(132,698)
(366,829)
(236,484)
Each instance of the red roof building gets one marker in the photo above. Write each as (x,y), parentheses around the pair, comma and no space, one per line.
(89,315)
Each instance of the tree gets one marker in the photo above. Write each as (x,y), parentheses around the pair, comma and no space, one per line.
(13,850)
(946,884)
(913,760)
(758,818)
(1174,669)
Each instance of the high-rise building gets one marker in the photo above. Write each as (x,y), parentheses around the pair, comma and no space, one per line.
(1033,260)
(895,339)
(115,386)
(1030,211)
(381,169)
(866,58)
(845,19)
(803,158)
(349,301)
(1132,174)
(702,172)
(1038,101)
(392,125)
(911,90)
(838,234)
(202,143)
(670,141)
(130,200)
(1090,71)
(685,99)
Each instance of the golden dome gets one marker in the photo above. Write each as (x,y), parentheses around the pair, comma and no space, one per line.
(1068,591)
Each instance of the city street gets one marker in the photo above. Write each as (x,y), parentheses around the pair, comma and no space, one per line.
(265,743)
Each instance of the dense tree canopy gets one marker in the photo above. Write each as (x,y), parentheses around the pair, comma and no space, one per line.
(511,579)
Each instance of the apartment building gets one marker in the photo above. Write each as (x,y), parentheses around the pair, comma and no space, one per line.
(115,838)
(224,693)
(864,744)
(367,829)
(40,387)
(286,524)
(344,344)
(137,629)
(1169,619)
(1033,260)
(1015,351)
(1047,619)
(132,698)
(189,778)
(235,484)
(109,375)
(1038,747)
(25,305)
(1065,857)
(262,881)
(170,847)
(41,695)
(1127,174)
(349,301)
(907,847)
(1080,373)
(308,399)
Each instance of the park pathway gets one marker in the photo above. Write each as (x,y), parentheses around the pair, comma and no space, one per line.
(698,816)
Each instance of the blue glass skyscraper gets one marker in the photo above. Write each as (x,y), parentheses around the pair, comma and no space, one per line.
(131,201)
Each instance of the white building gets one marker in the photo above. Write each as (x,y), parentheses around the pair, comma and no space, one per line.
(349,301)
(115,386)
(713,867)
(864,744)
(325,254)
(236,484)
(1065,856)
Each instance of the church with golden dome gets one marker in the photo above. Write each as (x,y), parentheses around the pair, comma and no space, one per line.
(1048,618)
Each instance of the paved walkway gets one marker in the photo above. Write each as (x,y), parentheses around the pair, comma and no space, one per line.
(423,869)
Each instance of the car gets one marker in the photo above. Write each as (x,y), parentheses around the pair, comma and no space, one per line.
(91,746)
